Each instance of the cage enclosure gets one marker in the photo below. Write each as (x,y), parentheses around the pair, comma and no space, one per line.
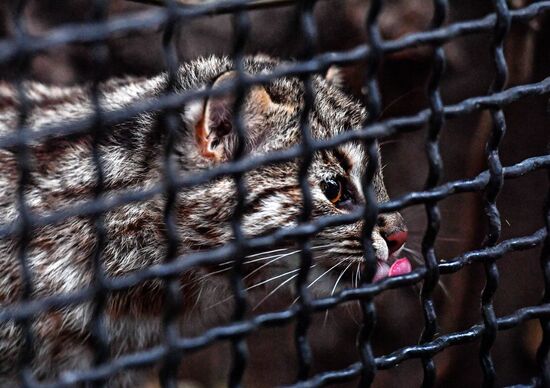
(200,193)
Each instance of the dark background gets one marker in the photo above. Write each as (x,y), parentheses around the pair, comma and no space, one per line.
(402,79)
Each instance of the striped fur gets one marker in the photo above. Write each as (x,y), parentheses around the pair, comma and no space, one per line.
(63,175)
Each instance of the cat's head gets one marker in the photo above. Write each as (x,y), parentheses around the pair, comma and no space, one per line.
(271,114)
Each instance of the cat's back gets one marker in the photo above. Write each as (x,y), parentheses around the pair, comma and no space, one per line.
(47,113)
(61,172)
(44,106)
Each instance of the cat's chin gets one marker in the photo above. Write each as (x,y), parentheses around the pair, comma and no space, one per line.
(382,270)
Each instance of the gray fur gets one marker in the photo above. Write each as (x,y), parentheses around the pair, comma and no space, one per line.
(63,175)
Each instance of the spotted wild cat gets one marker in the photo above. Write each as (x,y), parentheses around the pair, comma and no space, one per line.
(63,174)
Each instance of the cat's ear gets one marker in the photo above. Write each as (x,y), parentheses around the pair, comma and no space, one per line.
(335,76)
(214,132)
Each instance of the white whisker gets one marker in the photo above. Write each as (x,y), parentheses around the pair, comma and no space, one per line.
(357,274)
(334,288)
(270,257)
(281,257)
(212,273)
(256,255)
(260,284)
(339,278)
(266,253)
(198,298)
(276,277)
(269,252)
(444,289)
(317,279)
(273,291)
(323,274)
(278,257)
(266,258)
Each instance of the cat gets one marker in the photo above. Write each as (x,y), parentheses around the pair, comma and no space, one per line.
(63,174)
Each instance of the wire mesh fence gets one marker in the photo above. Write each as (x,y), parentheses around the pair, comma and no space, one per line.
(17,51)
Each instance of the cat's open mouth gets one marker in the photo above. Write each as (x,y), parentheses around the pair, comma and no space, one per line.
(384,269)
(400,266)
(389,267)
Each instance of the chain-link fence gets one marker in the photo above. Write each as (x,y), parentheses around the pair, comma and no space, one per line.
(16,53)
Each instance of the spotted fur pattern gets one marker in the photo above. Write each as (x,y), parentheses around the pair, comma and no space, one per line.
(63,174)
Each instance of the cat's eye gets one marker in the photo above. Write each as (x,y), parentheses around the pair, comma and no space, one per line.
(338,193)
(332,189)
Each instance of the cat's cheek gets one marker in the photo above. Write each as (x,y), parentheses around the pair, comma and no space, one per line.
(213,305)
(273,213)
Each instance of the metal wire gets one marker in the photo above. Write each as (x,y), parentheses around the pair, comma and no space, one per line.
(169,354)
(543,354)
(98,332)
(223,7)
(370,212)
(172,292)
(24,166)
(436,170)
(307,25)
(491,192)
(239,349)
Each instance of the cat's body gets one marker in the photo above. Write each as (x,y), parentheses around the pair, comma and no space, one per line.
(63,174)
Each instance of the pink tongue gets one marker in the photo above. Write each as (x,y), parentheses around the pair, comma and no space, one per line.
(400,267)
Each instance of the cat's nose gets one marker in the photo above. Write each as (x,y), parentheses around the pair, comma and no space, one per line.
(393,230)
(396,240)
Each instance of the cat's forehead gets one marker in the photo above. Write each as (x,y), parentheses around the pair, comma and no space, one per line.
(330,110)
(348,159)
(331,113)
